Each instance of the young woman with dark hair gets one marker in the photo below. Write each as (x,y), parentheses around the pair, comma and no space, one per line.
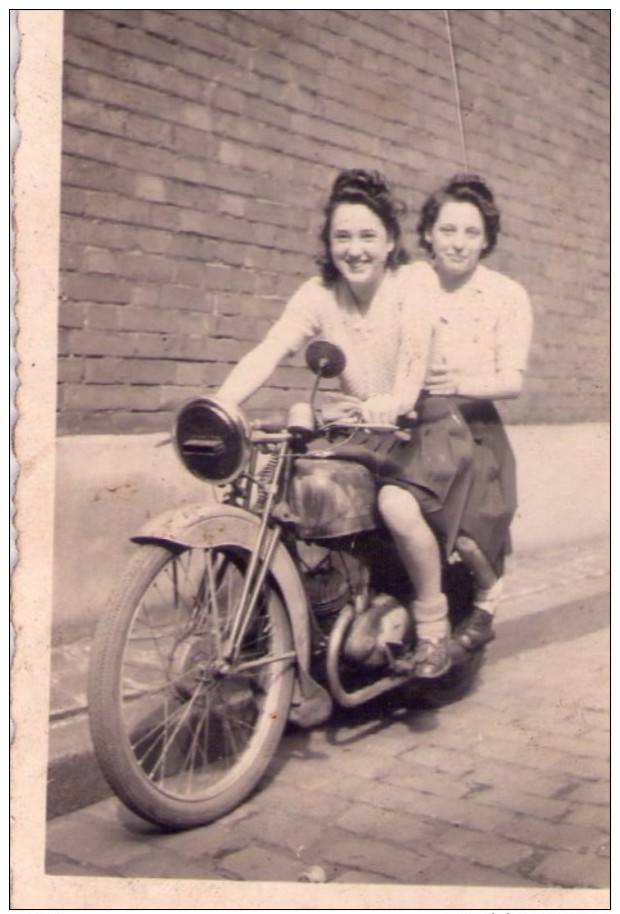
(479,353)
(368,189)
(462,189)
(372,307)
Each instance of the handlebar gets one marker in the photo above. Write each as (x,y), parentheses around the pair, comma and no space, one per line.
(272,425)
(359,425)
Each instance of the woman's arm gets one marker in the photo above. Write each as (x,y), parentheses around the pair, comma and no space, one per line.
(415,336)
(251,372)
(411,368)
(299,321)
(417,320)
(500,385)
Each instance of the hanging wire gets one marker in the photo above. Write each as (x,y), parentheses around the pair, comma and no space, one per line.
(457,92)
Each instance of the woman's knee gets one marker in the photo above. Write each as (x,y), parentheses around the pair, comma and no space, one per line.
(399,509)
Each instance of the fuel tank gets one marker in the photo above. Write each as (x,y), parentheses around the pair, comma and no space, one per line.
(331,498)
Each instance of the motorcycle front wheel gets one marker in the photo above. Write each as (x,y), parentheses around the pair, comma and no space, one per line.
(181,734)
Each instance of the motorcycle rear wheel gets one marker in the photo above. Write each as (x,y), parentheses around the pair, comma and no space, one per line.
(181,736)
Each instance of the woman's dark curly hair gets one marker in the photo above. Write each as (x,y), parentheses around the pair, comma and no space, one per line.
(462,189)
(370,189)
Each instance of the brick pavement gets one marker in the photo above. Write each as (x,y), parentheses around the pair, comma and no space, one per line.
(508,788)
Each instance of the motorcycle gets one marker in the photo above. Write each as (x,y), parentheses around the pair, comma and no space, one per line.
(268,607)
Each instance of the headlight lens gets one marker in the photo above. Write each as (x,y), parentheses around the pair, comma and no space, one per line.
(211,439)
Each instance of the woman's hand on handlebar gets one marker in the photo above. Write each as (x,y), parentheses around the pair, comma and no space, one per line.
(380,410)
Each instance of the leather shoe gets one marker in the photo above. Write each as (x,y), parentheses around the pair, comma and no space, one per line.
(429,660)
(475,631)
(432,658)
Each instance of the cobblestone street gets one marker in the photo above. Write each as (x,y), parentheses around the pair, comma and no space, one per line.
(507,789)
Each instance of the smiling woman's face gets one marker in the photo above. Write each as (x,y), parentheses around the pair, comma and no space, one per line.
(359,245)
(457,239)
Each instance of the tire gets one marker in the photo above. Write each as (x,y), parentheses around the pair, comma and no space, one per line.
(181,738)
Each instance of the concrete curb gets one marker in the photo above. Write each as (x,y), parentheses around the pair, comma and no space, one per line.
(538,583)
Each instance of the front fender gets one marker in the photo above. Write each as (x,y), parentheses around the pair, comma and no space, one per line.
(200,525)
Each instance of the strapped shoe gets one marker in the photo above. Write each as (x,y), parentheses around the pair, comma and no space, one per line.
(475,631)
(429,660)
(432,658)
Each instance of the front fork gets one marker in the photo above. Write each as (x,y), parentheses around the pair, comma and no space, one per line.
(266,543)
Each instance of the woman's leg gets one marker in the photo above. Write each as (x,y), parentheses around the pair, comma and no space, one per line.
(419,553)
(477,629)
(476,561)
(489,511)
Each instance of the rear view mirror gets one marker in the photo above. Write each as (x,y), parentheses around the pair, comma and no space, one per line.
(325,359)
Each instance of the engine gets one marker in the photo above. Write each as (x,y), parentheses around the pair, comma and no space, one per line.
(332,579)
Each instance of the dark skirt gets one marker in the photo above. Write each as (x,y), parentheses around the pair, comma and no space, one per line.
(457,462)
(460,467)
(492,501)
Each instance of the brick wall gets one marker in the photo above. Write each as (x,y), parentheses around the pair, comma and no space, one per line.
(198,147)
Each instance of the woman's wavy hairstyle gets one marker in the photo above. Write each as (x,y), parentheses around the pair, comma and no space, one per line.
(462,189)
(370,189)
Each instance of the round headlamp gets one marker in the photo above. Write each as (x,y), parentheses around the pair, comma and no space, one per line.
(211,439)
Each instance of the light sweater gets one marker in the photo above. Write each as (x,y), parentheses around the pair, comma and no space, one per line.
(386,345)
(482,328)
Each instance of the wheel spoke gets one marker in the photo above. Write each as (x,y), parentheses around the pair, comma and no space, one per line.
(159,727)
(190,719)
(169,738)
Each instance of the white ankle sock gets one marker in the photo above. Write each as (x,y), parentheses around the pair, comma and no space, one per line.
(431,618)
(488,598)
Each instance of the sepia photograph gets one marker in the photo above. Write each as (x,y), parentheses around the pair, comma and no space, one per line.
(311,597)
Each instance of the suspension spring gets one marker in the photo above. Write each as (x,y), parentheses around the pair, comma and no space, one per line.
(265,477)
